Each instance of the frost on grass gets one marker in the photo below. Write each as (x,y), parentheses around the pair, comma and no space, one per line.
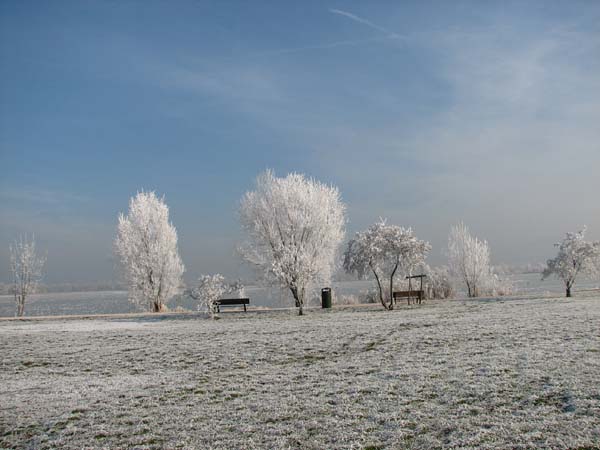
(479,374)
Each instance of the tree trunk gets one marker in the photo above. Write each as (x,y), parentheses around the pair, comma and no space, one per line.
(21,306)
(381,299)
(568,291)
(299,301)
(392,287)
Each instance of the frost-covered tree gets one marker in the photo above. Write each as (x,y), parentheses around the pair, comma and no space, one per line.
(575,256)
(499,285)
(469,260)
(294,227)
(212,288)
(439,282)
(385,251)
(146,245)
(26,267)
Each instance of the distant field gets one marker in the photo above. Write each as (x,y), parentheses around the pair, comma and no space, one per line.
(115,302)
(514,373)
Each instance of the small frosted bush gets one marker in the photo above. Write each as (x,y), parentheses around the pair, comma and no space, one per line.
(439,283)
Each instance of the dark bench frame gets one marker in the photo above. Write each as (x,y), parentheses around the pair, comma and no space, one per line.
(418,295)
(232,302)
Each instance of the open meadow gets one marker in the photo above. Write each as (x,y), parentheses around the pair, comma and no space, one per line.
(505,373)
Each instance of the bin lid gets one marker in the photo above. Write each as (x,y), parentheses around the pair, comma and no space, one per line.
(325,289)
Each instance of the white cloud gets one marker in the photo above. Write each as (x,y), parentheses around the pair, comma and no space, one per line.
(39,196)
(363,21)
(515,153)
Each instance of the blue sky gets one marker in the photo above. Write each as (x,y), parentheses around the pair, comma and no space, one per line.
(426,113)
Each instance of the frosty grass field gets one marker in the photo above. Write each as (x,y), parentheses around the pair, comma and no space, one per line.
(496,373)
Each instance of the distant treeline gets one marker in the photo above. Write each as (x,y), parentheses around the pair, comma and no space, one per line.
(7,288)
(504,269)
(518,269)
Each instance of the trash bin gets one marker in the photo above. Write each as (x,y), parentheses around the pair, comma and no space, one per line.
(326,297)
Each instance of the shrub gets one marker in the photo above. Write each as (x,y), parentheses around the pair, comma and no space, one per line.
(439,283)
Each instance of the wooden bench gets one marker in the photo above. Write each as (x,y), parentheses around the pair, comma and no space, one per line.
(417,295)
(232,302)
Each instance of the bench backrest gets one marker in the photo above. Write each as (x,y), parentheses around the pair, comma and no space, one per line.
(234,301)
(404,294)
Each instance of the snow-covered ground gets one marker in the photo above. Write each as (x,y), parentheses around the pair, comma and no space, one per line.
(512,373)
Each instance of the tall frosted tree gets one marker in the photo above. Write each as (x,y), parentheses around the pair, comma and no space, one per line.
(294,227)
(385,252)
(575,256)
(469,260)
(26,267)
(146,245)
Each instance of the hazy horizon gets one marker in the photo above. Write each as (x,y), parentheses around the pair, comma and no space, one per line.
(426,113)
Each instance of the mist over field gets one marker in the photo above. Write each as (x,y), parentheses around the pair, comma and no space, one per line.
(115,302)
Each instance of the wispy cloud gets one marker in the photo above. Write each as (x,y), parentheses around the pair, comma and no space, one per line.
(328,45)
(364,21)
(515,139)
(39,196)
(324,46)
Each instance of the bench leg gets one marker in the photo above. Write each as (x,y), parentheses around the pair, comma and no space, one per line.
(244,307)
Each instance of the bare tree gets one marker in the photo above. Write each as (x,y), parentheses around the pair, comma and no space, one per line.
(469,259)
(294,227)
(26,267)
(146,244)
(575,256)
(385,251)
